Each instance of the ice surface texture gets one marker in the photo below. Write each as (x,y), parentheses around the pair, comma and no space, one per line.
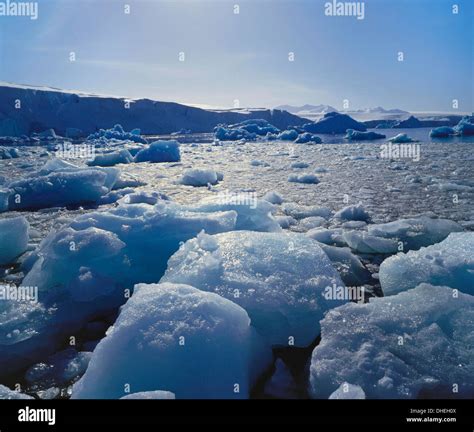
(418,343)
(13,238)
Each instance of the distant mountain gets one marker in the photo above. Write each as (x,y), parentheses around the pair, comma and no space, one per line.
(382,110)
(307,109)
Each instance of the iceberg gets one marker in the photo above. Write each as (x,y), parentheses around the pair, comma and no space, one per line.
(449,263)
(410,122)
(353,135)
(464,127)
(334,123)
(401,139)
(196,344)
(288,135)
(14,236)
(256,126)
(417,344)
(118,133)
(279,279)
(200,177)
(442,132)
(308,138)
(160,151)
(227,134)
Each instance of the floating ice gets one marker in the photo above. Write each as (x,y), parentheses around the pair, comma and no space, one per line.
(449,263)
(118,133)
(227,134)
(348,391)
(327,236)
(354,213)
(303,178)
(13,238)
(311,222)
(6,393)
(113,158)
(288,135)
(200,177)
(279,279)
(256,126)
(334,123)
(196,344)
(302,211)
(416,344)
(416,232)
(160,151)
(354,135)
(442,132)
(259,162)
(401,138)
(157,394)
(366,243)
(410,122)
(273,197)
(464,127)
(299,165)
(308,138)
(8,153)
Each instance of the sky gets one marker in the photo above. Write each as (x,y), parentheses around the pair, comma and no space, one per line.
(244,57)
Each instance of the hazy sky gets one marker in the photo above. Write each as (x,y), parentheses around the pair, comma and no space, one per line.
(245,56)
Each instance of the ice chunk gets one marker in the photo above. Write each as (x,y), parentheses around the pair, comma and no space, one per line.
(288,135)
(6,393)
(442,132)
(61,188)
(13,238)
(308,138)
(417,344)
(279,279)
(449,263)
(227,134)
(256,126)
(303,178)
(401,138)
(113,158)
(160,151)
(348,391)
(353,135)
(311,222)
(464,127)
(252,213)
(4,195)
(416,232)
(273,197)
(157,394)
(302,211)
(299,165)
(197,345)
(200,177)
(353,212)
(334,123)
(118,133)
(366,243)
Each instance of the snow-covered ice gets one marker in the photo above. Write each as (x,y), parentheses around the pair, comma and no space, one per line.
(415,344)
(449,263)
(279,279)
(167,328)
(366,243)
(200,177)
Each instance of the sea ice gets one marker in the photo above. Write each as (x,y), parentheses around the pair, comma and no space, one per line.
(273,197)
(13,238)
(279,279)
(449,263)
(303,178)
(196,344)
(200,177)
(113,158)
(365,243)
(401,138)
(354,135)
(308,138)
(288,135)
(416,344)
(299,211)
(160,151)
(354,213)
(442,132)
(118,133)
(464,127)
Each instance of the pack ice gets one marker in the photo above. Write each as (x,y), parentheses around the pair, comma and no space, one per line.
(416,344)
(279,279)
(195,344)
(449,263)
